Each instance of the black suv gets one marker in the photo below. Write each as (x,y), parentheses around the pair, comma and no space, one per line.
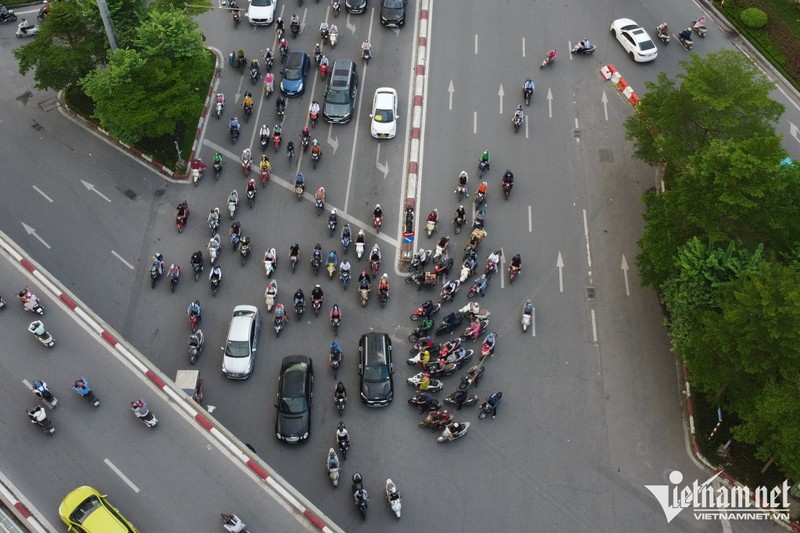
(375,369)
(340,96)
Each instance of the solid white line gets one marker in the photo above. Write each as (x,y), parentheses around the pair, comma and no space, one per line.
(526,126)
(476,44)
(118,472)
(35,188)
(586,236)
(115,254)
(576,123)
(530,220)
(594,327)
(475,122)
(501,267)
(533,324)
(523,47)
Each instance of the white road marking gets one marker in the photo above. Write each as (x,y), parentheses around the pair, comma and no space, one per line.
(115,254)
(523,47)
(475,122)
(450,90)
(31,231)
(586,236)
(624,267)
(560,266)
(594,327)
(501,94)
(530,219)
(37,189)
(91,187)
(476,44)
(124,478)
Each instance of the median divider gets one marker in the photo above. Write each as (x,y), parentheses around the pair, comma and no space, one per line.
(609,73)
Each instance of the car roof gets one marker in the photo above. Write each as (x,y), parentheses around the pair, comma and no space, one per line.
(243,315)
(294,58)
(99,517)
(375,357)
(385,96)
(291,359)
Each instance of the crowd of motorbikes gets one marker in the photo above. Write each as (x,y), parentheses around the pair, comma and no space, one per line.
(697,26)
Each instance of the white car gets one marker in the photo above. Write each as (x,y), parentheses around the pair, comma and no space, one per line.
(261,12)
(384,113)
(634,40)
(240,346)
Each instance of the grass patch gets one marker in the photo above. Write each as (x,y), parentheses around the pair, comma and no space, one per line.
(162,149)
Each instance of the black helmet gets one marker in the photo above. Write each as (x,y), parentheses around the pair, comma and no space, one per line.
(339,387)
(341,425)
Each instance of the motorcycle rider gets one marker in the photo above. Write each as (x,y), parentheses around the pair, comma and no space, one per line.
(263,133)
(428,308)
(183,212)
(217,159)
(294,23)
(449,288)
(279,25)
(346,235)
(264,164)
(323,62)
(336,357)
(662,30)
(516,263)
(333,31)
(508,177)
(342,436)
(236,229)
(247,158)
(316,149)
(316,294)
(584,45)
(489,342)
(40,389)
(305,135)
(194,341)
(366,48)
(299,298)
(174,272)
(551,55)
(486,158)
(463,179)
(290,150)
(215,274)
(233,125)
(320,195)
(383,284)
(492,403)
(270,255)
(280,314)
(527,87)
(493,260)
(375,254)
(363,280)
(268,58)
(427,401)
(700,23)
(251,187)
(433,216)
(324,31)
(313,108)
(483,188)
(299,179)
(317,53)
(37,414)
(424,382)
(332,461)
(518,114)
(344,268)
(333,219)
(332,259)
(336,313)
(280,105)
(317,254)
(461,215)
(686,35)
(294,251)
(140,408)
(377,212)
(233,197)
(283,47)
(233,524)
(157,265)
(276,134)
(361,493)
(474,329)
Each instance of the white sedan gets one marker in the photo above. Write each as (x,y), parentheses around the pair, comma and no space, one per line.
(261,12)
(634,40)
(384,113)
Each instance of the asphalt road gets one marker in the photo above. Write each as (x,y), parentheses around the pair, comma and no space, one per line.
(169,478)
(591,408)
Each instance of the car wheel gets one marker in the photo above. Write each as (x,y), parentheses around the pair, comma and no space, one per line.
(630,54)
(613,32)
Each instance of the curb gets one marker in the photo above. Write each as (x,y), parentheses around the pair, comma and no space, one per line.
(10,495)
(296,501)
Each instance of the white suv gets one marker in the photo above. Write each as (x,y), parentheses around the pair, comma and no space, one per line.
(240,346)
(261,12)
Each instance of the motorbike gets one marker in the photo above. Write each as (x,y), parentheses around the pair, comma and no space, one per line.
(194,350)
(145,415)
(458,430)
(420,260)
(253,79)
(335,323)
(419,401)
(340,403)
(26,30)
(244,250)
(516,121)
(662,32)
(383,297)
(8,16)
(333,38)
(526,95)
(233,523)
(471,335)
(361,502)
(269,264)
(293,259)
(449,324)
(155,274)
(364,296)
(246,164)
(478,286)
(198,268)
(312,115)
(345,242)
(578,49)
(393,497)
(430,227)
(331,268)
(528,313)
(699,26)
(345,277)
(174,277)
(2,303)
(333,472)
(234,135)
(447,294)
(547,61)
(375,264)
(213,248)
(507,189)
(344,446)
(316,304)
(214,281)
(276,141)
(436,421)
(299,309)
(264,139)
(331,226)
(42,335)
(422,330)
(232,208)
(360,244)
(220,105)
(43,393)
(320,205)
(469,399)
(316,262)
(686,42)
(435,385)
(366,55)
(335,8)
(422,279)
(486,407)
(420,312)
(299,189)
(487,348)
(39,418)
(251,197)
(323,71)
(217,170)
(440,369)
(278,323)
(270,294)
(197,175)
(304,141)
(377,222)
(472,376)
(295,29)
(314,155)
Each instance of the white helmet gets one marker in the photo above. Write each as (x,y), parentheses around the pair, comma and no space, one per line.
(333,211)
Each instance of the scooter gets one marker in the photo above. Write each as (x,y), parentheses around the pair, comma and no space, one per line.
(213,248)
(687,43)
(469,333)
(270,294)
(547,61)
(436,422)
(364,296)
(232,208)
(340,402)
(42,335)
(486,407)
(420,260)
(662,32)
(8,16)
(86,392)
(578,49)
(333,38)
(194,351)
(699,26)
(214,282)
(361,503)
(459,429)
(430,227)
(333,473)
(26,30)
(435,385)
(421,312)
(527,315)
(39,417)
(393,497)
(269,264)
(278,322)
(220,105)
(418,401)
(43,393)
(144,414)
(360,244)
(449,325)
(217,170)
(32,304)
(366,55)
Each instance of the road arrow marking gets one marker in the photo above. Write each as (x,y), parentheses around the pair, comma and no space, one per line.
(349,26)
(624,267)
(560,266)
(550,102)
(380,166)
(37,189)
(501,94)
(793,130)
(604,99)
(32,231)
(91,187)
(333,141)
(211,408)
(450,90)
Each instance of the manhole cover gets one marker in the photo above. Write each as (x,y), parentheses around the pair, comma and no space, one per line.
(590,293)
(130,194)
(606,155)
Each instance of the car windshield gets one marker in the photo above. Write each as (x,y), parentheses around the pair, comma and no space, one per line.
(293,70)
(338,97)
(393,4)
(237,349)
(376,374)
(259,3)
(293,405)
(85,509)
(384,115)
(646,45)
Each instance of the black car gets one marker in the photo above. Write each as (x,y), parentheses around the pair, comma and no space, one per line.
(356,7)
(393,13)
(293,423)
(375,369)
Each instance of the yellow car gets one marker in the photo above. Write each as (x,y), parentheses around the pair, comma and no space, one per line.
(85,510)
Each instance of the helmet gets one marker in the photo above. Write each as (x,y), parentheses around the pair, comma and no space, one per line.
(336,306)
(427,375)
(137,403)
(295,245)
(236,224)
(456,425)
(484,183)
(317,287)
(341,424)
(377,206)
(385,275)
(428,338)
(339,387)
(356,478)
(463,174)
(251,181)
(22,293)
(37,383)
(461,208)
(333,211)
(305,129)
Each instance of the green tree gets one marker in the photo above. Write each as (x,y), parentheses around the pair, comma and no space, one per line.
(720,96)
(170,35)
(67,48)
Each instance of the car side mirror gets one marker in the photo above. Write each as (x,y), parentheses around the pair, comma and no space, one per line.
(370,115)
(275,405)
